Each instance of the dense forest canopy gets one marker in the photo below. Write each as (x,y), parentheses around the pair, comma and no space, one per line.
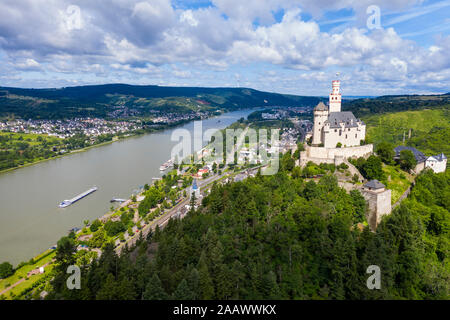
(384,104)
(280,237)
(97,100)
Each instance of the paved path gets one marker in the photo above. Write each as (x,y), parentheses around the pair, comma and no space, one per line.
(21,280)
(164,219)
(160,221)
(14,285)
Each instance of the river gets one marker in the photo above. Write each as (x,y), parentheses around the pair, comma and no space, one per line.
(30,220)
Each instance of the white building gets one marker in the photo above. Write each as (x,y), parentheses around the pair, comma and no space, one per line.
(335,128)
(437,163)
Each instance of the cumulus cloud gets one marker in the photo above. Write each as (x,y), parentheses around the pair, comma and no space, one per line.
(113,38)
(28,65)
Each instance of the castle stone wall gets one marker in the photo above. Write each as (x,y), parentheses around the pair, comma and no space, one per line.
(333,155)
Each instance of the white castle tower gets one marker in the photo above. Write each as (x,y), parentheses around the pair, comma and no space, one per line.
(335,97)
(320,116)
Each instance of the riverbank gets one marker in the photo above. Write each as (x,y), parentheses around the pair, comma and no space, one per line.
(114,139)
(117,169)
(60,156)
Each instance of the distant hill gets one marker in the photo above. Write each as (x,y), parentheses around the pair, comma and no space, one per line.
(395,103)
(100,100)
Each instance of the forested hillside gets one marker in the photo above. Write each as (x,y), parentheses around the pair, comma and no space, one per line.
(98,100)
(427,130)
(384,104)
(280,237)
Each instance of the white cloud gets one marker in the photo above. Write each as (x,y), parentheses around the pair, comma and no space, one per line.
(137,37)
(28,64)
(188,17)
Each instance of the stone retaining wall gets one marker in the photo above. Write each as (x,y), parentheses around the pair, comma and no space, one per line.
(333,155)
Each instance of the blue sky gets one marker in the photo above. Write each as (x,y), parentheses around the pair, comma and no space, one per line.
(287,46)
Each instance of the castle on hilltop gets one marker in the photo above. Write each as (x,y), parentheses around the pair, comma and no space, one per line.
(336,134)
(333,127)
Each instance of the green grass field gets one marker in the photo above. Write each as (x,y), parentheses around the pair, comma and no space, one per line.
(17,149)
(31,138)
(397,180)
(430,129)
(21,273)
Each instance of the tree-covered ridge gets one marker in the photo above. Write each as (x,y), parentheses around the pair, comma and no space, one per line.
(98,100)
(426,130)
(279,237)
(386,104)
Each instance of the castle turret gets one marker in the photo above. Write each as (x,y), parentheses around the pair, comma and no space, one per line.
(379,202)
(320,116)
(335,97)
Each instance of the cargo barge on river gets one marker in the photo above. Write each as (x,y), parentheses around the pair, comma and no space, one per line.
(67,203)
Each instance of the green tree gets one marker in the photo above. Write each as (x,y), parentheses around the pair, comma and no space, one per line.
(6,269)
(154,289)
(206,287)
(193,283)
(98,239)
(95,225)
(270,287)
(407,160)
(113,228)
(63,259)
(182,292)
(372,168)
(311,190)
(359,204)
(386,152)
(287,162)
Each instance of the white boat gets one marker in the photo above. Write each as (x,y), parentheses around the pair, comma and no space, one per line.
(67,203)
(166,165)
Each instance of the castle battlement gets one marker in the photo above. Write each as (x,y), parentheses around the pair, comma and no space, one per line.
(333,155)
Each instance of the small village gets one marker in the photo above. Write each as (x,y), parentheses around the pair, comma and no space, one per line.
(63,129)
(93,127)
